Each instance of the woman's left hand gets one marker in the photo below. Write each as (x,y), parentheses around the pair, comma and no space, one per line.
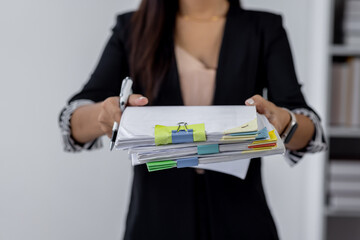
(277,116)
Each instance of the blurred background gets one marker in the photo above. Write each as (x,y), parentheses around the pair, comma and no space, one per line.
(48,50)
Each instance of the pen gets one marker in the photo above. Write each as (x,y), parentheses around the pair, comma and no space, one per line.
(125,92)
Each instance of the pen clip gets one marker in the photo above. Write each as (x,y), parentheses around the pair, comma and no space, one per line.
(125,92)
(123,84)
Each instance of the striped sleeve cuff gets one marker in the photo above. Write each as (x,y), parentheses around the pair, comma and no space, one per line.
(69,143)
(316,144)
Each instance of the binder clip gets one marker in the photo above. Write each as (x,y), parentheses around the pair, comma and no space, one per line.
(182,136)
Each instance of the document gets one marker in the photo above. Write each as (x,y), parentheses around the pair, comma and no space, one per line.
(137,125)
(217,138)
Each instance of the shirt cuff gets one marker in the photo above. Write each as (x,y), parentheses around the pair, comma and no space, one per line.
(69,143)
(316,144)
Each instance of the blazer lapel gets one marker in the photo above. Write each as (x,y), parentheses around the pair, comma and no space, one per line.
(170,91)
(233,78)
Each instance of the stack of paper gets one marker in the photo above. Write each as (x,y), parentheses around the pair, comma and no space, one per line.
(210,137)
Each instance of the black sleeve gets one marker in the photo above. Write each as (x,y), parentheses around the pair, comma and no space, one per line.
(104,82)
(282,84)
(111,69)
(281,81)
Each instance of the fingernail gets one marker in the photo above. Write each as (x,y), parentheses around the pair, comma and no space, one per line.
(140,98)
(250,101)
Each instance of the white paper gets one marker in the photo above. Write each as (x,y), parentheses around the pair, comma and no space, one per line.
(138,124)
(236,168)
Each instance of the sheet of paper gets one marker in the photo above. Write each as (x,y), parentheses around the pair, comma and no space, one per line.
(139,122)
(236,168)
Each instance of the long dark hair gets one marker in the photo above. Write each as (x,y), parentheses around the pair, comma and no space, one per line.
(152,29)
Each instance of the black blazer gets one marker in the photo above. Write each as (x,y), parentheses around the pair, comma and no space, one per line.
(178,203)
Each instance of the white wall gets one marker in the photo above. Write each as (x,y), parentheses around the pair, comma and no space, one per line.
(47,51)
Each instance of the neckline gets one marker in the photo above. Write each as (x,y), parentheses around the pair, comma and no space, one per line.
(195,59)
(221,66)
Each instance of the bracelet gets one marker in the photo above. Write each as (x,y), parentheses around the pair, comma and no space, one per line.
(290,129)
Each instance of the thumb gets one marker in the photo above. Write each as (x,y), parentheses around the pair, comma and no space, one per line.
(258,102)
(137,100)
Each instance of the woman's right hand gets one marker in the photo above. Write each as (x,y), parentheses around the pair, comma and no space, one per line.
(110,111)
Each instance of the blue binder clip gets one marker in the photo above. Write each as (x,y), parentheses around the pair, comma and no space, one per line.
(182,136)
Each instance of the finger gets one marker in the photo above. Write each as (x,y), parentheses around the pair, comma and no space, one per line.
(137,100)
(259,102)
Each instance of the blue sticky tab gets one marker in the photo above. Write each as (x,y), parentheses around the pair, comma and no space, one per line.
(262,134)
(182,136)
(187,162)
(208,149)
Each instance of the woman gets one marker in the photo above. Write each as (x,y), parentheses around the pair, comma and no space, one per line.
(195,52)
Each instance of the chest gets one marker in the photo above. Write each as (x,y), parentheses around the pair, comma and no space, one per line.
(201,39)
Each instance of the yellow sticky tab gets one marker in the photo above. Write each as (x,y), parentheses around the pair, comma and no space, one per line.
(199,132)
(163,134)
(238,138)
(247,127)
(258,149)
(272,135)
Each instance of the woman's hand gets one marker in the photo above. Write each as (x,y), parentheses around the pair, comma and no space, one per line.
(280,118)
(110,111)
(91,121)
(277,116)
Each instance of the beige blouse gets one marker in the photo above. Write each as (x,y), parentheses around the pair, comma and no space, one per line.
(197,82)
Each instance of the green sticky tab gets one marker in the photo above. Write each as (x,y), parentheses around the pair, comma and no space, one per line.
(163,133)
(208,149)
(160,165)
